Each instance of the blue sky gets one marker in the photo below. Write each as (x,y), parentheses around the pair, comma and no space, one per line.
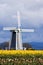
(31,14)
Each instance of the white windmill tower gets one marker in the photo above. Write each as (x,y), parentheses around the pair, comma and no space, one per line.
(16,34)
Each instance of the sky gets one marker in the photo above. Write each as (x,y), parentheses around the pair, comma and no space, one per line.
(31,16)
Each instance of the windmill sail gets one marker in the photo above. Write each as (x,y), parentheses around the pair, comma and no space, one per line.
(27,30)
(19,36)
(9,28)
(18,17)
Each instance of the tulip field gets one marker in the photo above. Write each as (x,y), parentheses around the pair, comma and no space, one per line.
(21,57)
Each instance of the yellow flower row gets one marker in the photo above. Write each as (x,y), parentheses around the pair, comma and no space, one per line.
(22,52)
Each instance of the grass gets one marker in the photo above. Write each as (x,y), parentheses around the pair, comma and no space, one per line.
(21,57)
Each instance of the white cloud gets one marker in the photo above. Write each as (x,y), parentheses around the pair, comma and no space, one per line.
(14,16)
(32,10)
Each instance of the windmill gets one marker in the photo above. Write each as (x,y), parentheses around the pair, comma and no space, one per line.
(16,36)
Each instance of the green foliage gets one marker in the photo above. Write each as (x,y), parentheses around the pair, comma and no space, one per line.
(21,60)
